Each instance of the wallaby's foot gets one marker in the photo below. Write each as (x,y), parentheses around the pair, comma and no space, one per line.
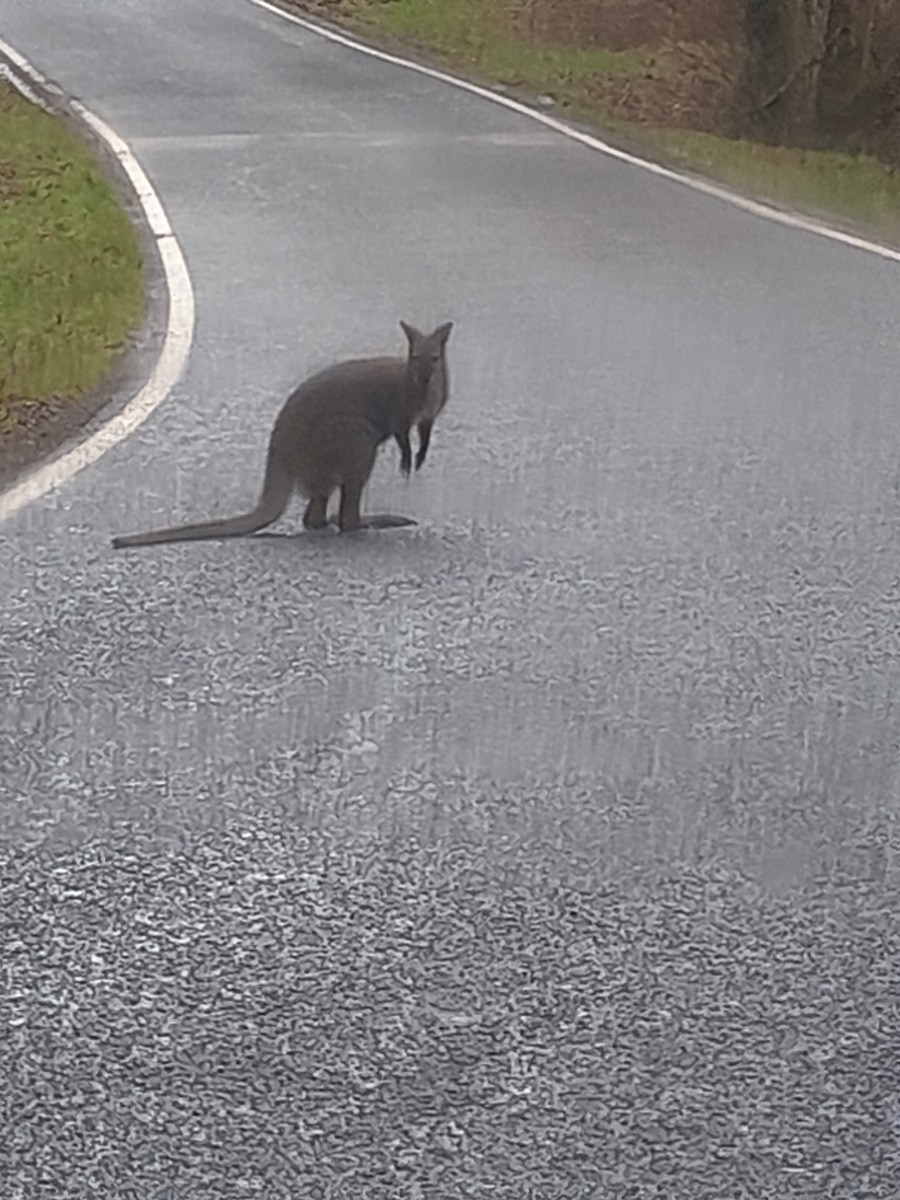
(385,521)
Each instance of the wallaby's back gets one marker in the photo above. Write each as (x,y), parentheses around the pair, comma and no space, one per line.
(334,421)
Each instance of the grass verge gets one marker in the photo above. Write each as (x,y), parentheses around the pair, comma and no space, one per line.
(481,36)
(71,282)
(854,190)
(481,39)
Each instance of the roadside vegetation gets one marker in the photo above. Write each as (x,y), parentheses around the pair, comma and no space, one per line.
(857,190)
(794,101)
(481,36)
(70,284)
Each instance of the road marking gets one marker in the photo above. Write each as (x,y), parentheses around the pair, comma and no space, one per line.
(179,325)
(757,207)
(14,79)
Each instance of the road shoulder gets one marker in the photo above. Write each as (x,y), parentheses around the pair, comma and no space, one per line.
(54,425)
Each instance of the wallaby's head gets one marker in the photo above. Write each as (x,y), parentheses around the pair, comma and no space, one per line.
(426,351)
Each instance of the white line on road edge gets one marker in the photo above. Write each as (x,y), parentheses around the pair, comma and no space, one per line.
(757,207)
(15,80)
(178,336)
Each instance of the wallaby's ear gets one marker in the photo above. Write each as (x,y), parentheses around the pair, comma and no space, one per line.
(443,332)
(412,334)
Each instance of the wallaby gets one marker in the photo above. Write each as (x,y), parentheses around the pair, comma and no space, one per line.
(327,436)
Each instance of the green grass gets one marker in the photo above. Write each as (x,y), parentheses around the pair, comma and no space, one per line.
(477,34)
(70,283)
(858,188)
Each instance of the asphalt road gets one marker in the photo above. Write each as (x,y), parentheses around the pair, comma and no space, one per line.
(548,849)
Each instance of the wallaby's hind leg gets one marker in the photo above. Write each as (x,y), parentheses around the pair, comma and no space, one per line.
(349,518)
(424,439)
(348,514)
(316,515)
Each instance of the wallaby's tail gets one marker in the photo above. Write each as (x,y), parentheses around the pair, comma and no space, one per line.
(277,488)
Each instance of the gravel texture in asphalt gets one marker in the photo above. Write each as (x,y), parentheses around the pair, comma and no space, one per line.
(546,849)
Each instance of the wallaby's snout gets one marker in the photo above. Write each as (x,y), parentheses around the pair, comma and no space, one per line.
(421,369)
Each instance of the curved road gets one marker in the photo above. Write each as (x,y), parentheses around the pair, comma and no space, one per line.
(548,849)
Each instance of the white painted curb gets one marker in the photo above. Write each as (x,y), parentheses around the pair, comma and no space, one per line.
(176,343)
(756,207)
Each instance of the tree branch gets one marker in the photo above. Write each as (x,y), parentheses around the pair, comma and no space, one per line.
(798,71)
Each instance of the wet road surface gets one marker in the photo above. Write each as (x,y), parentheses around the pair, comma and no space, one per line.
(546,849)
